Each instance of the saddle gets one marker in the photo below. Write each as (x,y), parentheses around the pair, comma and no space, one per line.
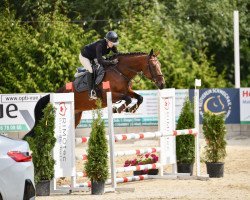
(80,82)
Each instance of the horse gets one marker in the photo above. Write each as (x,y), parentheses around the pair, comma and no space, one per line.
(120,77)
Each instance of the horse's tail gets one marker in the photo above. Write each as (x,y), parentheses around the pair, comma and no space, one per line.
(40,105)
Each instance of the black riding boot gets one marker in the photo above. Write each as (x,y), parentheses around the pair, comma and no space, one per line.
(91,91)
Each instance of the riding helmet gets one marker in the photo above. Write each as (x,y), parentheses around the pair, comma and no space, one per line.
(112,37)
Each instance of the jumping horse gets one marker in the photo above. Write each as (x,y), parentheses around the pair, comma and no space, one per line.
(120,77)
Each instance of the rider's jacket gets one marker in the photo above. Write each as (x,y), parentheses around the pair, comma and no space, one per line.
(97,50)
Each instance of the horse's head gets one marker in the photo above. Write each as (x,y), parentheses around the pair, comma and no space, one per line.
(153,70)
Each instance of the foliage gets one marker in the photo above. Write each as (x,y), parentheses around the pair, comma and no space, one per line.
(185,144)
(38,59)
(209,24)
(214,131)
(42,145)
(96,166)
(180,68)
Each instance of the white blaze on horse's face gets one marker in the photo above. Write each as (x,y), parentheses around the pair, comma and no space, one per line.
(155,71)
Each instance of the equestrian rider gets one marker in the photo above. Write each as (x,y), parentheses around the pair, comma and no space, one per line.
(95,51)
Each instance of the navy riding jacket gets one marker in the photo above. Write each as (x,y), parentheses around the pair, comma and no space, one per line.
(97,50)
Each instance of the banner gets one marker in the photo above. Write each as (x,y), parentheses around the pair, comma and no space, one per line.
(17,112)
(220,101)
(245,105)
(64,149)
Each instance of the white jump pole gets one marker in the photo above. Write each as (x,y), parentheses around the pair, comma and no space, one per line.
(236,50)
(111,140)
(197,124)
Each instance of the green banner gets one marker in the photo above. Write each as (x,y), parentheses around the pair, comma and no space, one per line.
(123,122)
(13,127)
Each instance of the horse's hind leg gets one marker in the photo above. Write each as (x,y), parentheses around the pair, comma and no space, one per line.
(78,117)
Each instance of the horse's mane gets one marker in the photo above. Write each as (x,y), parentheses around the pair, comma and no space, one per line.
(126,54)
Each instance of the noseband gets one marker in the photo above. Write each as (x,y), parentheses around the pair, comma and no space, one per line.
(151,71)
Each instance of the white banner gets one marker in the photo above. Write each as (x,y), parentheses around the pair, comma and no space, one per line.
(245,105)
(64,150)
(167,123)
(17,112)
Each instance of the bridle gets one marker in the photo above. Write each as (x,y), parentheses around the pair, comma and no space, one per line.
(153,75)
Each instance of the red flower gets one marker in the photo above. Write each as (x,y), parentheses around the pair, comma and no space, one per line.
(142,160)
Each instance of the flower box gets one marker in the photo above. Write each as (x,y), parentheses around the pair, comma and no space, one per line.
(147,171)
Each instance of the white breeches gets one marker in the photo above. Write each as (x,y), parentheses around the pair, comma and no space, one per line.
(85,63)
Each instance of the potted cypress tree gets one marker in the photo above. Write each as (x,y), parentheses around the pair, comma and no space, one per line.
(96,166)
(214,131)
(185,144)
(41,145)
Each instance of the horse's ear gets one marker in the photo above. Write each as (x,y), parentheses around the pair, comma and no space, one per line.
(151,53)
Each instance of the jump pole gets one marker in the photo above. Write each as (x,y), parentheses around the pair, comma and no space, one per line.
(197,124)
(106,86)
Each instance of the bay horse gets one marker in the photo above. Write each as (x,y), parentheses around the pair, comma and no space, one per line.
(120,77)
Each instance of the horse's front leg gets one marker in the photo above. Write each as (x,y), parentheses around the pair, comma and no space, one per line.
(119,96)
(139,99)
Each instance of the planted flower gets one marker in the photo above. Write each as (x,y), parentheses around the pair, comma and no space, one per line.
(143,159)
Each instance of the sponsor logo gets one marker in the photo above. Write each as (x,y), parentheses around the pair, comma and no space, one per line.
(167,103)
(216,101)
(62,109)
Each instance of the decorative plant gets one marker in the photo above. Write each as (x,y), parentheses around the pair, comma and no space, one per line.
(142,159)
(42,144)
(214,131)
(185,144)
(97,164)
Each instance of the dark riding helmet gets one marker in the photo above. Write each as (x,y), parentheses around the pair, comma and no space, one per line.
(112,37)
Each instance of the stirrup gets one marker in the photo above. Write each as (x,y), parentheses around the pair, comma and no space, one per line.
(93,94)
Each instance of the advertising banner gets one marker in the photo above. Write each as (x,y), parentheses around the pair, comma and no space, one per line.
(220,101)
(17,112)
(64,133)
(245,105)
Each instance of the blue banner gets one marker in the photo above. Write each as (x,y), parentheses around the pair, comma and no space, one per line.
(220,101)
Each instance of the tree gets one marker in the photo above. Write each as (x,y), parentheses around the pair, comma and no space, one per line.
(39,59)
(185,144)
(42,145)
(180,68)
(96,166)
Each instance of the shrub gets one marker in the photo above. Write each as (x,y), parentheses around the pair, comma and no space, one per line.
(185,144)
(96,166)
(214,131)
(42,144)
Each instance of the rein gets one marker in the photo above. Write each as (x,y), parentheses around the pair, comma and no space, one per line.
(140,73)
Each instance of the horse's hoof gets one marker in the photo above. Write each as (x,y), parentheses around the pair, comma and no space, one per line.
(127,109)
(119,110)
(115,110)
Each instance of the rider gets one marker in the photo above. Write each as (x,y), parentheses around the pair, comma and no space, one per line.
(95,51)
